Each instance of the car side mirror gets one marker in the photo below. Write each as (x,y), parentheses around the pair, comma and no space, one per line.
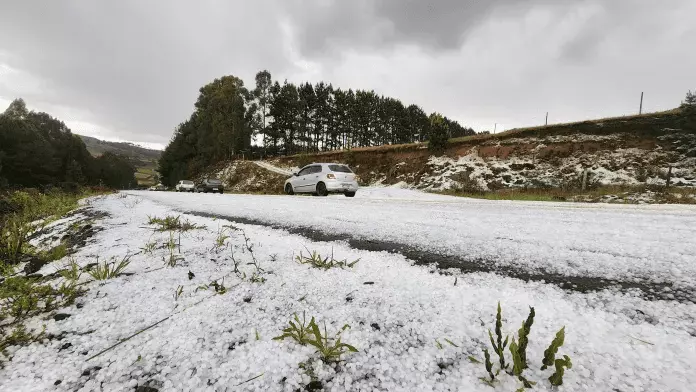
(295,174)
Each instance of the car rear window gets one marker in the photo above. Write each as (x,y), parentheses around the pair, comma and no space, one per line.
(214,182)
(187,182)
(340,168)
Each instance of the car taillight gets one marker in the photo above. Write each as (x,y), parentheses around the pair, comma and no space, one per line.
(331,176)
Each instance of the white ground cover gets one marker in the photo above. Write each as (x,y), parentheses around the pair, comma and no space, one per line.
(625,242)
(274,169)
(616,341)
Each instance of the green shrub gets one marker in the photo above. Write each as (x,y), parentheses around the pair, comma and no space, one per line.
(55,253)
(18,337)
(21,297)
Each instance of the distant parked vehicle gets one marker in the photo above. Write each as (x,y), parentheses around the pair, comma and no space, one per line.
(160,187)
(322,179)
(210,185)
(152,188)
(185,186)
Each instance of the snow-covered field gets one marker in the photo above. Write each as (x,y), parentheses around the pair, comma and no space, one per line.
(397,311)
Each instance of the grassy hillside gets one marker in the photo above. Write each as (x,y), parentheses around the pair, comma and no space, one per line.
(143,159)
(139,156)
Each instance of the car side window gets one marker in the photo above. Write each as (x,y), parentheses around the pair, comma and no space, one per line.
(317,169)
(305,171)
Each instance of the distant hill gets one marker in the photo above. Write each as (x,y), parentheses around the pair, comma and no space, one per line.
(139,156)
(143,159)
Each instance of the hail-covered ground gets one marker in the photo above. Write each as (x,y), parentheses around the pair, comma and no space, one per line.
(416,328)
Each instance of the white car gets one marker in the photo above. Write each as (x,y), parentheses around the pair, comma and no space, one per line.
(185,186)
(322,179)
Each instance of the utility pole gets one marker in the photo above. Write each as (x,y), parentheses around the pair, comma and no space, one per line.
(640,110)
(547,119)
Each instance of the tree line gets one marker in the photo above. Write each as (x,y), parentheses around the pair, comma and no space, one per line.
(273,119)
(37,150)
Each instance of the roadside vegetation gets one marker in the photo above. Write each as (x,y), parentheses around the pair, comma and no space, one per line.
(23,213)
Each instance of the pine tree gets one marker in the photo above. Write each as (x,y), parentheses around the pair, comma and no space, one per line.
(262,92)
(17,109)
(438,135)
(689,103)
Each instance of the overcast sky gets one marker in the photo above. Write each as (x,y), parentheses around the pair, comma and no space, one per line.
(131,69)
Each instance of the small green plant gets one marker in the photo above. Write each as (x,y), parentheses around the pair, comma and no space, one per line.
(489,368)
(71,272)
(172,223)
(221,239)
(257,335)
(550,352)
(499,347)
(298,330)
(21,297)
(329,349)
(524,337)
(109,270)
(14,234)
(518,352)
(219,287)
(55,253)
(257,278)
(173,258)
(315,260)
(556,378)
(518,365)
(18,337)
(178,292)
(149,247)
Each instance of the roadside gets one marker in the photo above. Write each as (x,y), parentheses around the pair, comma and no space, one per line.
(208,318)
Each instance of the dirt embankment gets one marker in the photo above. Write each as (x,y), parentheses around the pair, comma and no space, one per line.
(636,150)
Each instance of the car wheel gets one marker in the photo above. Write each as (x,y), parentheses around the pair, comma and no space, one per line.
(350,194)
(289,190)
(321,189)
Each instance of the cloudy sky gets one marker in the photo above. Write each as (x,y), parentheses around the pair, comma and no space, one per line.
(131,69)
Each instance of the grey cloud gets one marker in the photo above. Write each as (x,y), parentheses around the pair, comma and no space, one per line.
(382,24)
(136,66)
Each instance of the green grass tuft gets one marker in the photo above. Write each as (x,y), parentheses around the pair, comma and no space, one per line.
(109,270)
(315,260)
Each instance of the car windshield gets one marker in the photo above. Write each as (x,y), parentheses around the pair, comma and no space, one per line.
(340,168)
(214,182)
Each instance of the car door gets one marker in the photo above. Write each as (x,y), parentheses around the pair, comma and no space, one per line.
(313,178)
(300,182)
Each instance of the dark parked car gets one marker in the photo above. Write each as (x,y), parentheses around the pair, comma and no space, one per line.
(210,185)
